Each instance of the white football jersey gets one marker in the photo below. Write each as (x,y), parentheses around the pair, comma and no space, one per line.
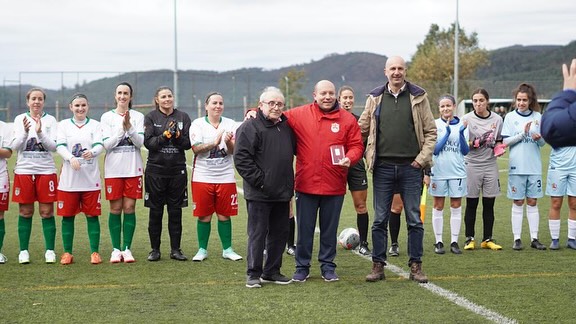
(75,140)
(34,150)
(215,166)
(123,156)
(5,141)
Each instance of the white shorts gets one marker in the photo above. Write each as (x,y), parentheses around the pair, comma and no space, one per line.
(453,188)
(482,178)
(560,183)
(524,186)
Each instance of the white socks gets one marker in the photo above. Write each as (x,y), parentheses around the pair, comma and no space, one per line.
(455,223)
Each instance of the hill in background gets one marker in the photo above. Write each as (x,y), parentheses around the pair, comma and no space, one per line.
(508,66)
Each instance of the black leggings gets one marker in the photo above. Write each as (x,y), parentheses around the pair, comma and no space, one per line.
(487,216)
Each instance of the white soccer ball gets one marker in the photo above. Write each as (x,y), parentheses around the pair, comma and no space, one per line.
(349,238)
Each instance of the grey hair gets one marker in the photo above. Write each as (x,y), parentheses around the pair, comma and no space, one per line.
(269,90)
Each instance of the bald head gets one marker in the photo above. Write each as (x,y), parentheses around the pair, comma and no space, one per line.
(395,71)
(325,94)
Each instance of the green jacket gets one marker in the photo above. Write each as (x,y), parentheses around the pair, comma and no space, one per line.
(423,123)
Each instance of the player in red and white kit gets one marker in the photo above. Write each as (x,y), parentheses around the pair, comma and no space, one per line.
(35,173)
(79,142)
(123,133)
(5,153)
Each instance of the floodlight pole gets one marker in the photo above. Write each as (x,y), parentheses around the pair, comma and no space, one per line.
(456,52)
(175,58)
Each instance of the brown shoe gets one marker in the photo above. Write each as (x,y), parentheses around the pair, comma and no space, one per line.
(416,273)
(377,272)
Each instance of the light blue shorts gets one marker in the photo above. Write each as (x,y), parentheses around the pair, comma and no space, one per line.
(561,183)
(525,186)
(453,188)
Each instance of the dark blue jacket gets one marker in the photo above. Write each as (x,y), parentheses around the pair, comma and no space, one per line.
(559,120)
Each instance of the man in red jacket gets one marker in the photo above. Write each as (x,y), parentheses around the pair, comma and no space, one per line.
(328,142)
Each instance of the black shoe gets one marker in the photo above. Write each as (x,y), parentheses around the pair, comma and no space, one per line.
(394,250)
(177,255)
(363,249)
(517,245)
(439,248)
(154,255)
(537,245)
(291,250)
(454,248)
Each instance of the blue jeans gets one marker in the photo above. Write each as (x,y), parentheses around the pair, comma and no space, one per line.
(404,179)
(308,207)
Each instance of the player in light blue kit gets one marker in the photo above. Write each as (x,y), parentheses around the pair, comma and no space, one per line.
(561,182)
(521,132)
(448,176)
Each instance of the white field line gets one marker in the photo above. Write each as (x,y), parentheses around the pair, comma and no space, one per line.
(451,296)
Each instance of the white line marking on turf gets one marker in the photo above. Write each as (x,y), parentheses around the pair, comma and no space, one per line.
(451,296)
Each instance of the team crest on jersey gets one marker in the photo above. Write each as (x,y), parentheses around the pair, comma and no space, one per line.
(109,189)
(60,204)
(17,191)
(180,125)
(335,127)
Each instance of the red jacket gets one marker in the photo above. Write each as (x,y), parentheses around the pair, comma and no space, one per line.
(315,132)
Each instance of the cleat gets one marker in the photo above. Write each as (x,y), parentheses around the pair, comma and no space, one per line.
(178,255)
(66,259)
(3,258)
(470,244)
(571,244)
(50,256)
(127,256)
(116,256)
(377,272)
(201,255)
(300,276)
(24,257)
(394,250)
(231,255)
(489,244)
(555,245)
(416,273)
(154,255)
(454,248)
(363,249)
(535,244)
(277,278)
(439,248)
(95,258)
(517,245)
(330,276)
(251,282)
(291,250)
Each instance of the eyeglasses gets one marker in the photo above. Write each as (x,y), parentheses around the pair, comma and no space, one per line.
(274,104)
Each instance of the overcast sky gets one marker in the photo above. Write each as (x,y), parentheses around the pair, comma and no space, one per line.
(221,35)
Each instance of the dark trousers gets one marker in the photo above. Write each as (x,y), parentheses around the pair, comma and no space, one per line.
(268,225)
(308,208)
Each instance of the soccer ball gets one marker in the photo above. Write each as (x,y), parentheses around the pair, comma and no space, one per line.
(349,238)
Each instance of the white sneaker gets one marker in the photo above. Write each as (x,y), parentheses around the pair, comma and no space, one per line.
(24,257)
(127,256)
(50,256)
(201,255)
(116,256)
(231,255)
(3,258)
